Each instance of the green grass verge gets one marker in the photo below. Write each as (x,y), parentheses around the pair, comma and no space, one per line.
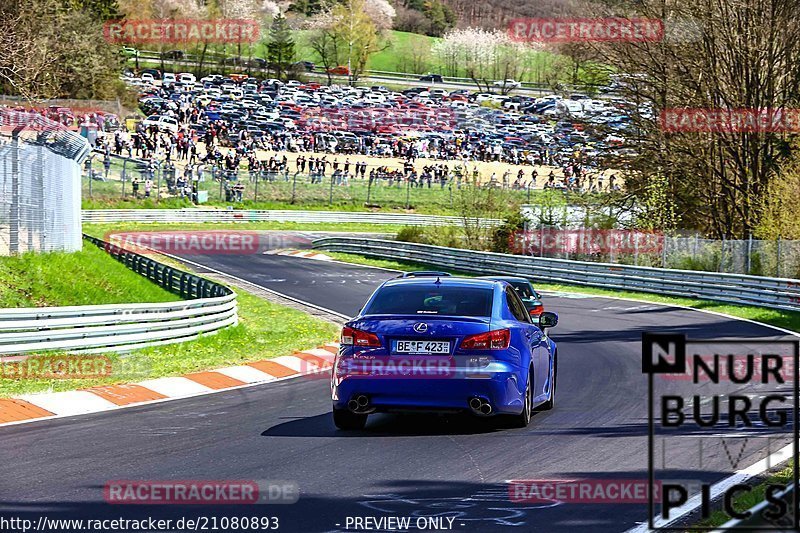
(265,330)
(87,277)
(100,230)
(747,500)
(278,195)
(784,319)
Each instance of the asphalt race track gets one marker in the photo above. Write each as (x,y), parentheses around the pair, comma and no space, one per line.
(417,466)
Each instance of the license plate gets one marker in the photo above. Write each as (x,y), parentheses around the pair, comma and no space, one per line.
(421,347)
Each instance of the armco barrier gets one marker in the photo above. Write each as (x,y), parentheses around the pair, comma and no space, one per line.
(103,216)
(773,293)
(207,307)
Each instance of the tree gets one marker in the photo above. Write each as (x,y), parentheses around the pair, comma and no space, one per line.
(49,49)
(358,34)
(99,9)
(738,54)
(324,42)
(280,48)
(781,210)
(482,55)
(346,35)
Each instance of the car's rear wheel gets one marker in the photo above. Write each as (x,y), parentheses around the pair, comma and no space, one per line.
(344,419)
(524,418)
(551,403)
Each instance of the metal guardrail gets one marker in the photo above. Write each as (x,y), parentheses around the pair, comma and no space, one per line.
(773,293)
(207,307)
(104,216)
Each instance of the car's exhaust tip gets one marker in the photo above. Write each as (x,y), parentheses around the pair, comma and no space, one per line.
(360,404)
(480,406)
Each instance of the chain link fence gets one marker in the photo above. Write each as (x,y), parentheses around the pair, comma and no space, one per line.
(40,189)
(774,258)
(113,177)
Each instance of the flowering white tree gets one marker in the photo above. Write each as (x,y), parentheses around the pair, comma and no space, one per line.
(268,8)
(381,12)
(482,55)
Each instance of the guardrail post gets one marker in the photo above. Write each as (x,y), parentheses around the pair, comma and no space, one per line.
(749,253)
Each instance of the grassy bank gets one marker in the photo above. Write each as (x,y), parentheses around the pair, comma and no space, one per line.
(84,278)
(100,230)
(784,319)
(358,196)
(93,277)
(746,500)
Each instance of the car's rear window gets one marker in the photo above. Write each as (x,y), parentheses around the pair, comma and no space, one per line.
(431,300)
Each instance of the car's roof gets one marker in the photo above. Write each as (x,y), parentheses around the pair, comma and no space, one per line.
(444,281)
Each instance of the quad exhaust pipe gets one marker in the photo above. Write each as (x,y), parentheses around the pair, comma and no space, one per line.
(360,404)
(480,406)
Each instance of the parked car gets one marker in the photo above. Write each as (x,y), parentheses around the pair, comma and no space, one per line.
(162,122)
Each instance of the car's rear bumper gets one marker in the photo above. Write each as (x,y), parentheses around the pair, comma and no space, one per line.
(398,393)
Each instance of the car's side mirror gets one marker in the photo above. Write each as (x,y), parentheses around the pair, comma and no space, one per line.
(548,320)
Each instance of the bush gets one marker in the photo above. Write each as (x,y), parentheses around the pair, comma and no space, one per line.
(412,234)
(450,236)
(503,234)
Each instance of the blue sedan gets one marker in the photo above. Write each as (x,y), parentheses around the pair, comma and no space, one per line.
(444,344)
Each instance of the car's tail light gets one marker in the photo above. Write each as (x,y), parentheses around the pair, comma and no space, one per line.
(498,339)
(356,337)
(536,310)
